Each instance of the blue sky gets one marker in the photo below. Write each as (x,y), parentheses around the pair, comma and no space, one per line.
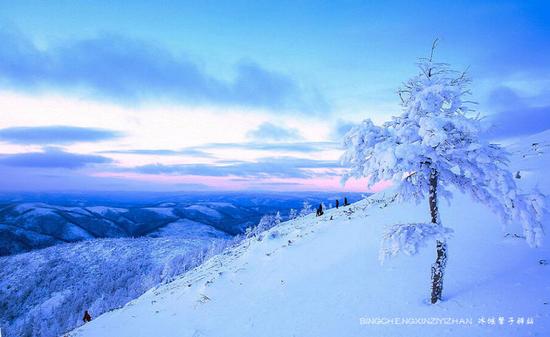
(241,94)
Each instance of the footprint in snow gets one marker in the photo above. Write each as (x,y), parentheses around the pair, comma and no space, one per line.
(204,299)
(198,333)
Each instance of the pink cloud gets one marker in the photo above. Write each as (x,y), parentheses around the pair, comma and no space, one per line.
(237,183)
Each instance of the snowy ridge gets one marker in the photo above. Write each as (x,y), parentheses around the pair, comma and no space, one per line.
(231,261)
(320,276)
(28,226)
(25,226)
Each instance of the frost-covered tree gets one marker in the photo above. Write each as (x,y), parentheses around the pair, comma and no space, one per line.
(278,218)
(306,209)
(436,144)
(266,222)
(292,214)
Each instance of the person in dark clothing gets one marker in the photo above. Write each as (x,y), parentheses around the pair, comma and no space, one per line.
(337,203)
(320,210)
(346,201)
(86,317)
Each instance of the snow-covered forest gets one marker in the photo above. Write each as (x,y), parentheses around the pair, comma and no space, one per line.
(45,292)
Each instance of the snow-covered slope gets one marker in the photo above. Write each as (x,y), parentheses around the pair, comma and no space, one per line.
(44,292)
(187,228)
(532,159)
(320,276)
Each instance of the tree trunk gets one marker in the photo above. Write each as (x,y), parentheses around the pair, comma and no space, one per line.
(438,268)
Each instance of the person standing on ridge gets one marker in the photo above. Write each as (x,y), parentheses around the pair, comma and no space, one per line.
(320,210)
(86,317)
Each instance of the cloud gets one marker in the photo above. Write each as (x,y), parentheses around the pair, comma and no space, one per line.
(45,180)
(55,135)
(202,151)
(51,158)
(516,117)
(271,167)
(270,131)
(124,69)
(164,152)
(304,147)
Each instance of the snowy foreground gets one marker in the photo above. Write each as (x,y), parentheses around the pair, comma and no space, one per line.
(313,276)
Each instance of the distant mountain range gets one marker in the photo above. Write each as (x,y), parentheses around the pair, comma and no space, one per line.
(26,225)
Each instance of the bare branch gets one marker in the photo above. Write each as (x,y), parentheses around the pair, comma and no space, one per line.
(434,45)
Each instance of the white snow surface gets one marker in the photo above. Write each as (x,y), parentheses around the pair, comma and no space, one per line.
(313,276)
(206,210)
(184,228)
(103,210)
(220,204)
(161,210)
(25,207)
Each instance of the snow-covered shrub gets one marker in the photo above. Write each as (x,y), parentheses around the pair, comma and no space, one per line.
(274,235)
(266,222)
(306,209)
(292,214)
(408,238)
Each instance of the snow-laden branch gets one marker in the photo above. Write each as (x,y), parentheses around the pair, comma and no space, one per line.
(435,132)
(408,238)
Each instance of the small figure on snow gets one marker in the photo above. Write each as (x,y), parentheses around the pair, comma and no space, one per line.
(320,210)
(86,317)
(337,203)
(346,203)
